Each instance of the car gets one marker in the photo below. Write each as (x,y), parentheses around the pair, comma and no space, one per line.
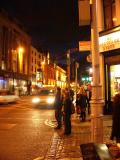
(6,97)
(45,97)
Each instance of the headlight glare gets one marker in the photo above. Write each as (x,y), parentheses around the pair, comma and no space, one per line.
(35,100)
(50,100)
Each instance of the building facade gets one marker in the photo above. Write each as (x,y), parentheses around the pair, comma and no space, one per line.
(22,66)
(109,47)
(14,55)
(36,68)
(44,72)
(54,74)
(108,13)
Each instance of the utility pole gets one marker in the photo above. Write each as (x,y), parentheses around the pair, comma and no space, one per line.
(68,69)
(55,75)
(97,99)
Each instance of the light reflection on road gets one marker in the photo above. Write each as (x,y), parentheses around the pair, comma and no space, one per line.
(50,123)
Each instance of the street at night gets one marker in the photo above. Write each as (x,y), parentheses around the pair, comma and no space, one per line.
(60,80)
(25,131)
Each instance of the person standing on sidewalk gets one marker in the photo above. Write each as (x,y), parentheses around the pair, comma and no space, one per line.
(67,114)
(78,104)
(116,119)
(83,103)
(58,108)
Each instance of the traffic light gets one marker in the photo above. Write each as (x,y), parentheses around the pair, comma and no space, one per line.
(86,79)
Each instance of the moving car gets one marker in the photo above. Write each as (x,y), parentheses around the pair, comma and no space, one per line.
(6,97)
(45,97)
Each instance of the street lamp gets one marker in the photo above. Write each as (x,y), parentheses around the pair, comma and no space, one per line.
(97,99)
(68,69)
(55,66)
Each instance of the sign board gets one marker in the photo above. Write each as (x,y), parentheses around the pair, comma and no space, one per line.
(109,42)
(84,46)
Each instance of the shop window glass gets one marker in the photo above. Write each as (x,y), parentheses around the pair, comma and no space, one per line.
(114,79)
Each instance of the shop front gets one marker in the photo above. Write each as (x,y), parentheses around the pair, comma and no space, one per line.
(15,83)
(110,50)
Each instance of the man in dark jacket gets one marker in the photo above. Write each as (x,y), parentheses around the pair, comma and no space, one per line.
(58,108)
(67,114)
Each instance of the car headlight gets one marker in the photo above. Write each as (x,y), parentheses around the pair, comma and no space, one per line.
(50,100)
(35,100)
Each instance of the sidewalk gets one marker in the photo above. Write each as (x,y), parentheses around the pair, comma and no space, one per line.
(68,147)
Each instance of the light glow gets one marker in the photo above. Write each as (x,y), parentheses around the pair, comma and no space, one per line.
(50,100)
(35,100)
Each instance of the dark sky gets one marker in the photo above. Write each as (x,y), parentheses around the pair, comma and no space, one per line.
(52,24)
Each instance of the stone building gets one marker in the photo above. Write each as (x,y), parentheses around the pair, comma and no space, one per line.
(14,55)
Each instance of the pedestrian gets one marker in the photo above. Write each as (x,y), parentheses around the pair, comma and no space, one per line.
(78,104)
(58,108)
(89,95)
(115,134)
(83,103)
(67,114)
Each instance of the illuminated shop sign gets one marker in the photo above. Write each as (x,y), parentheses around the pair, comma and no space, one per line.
(109,42)
(84,46)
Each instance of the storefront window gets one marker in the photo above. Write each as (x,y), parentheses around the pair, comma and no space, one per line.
(114,79)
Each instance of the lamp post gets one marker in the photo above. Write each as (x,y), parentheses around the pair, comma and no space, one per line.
(55,66)
(97,99)
(76,75)
(68,69)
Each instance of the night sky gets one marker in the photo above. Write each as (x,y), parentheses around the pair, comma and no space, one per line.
(52,24)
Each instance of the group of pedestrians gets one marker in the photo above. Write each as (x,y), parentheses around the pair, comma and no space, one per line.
(63,111)
(63,107)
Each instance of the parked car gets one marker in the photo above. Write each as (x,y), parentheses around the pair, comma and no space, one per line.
(7,97)
(45,97)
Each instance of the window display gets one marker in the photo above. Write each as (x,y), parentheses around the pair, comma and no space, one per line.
(114,79)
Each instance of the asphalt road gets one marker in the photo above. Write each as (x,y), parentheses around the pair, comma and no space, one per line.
(26,131)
